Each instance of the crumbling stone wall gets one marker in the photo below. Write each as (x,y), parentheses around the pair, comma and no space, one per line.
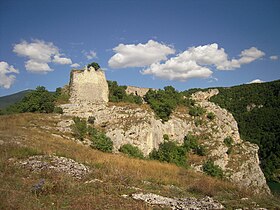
(88,85)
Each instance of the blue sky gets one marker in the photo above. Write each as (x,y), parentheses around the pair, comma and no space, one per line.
(146,43)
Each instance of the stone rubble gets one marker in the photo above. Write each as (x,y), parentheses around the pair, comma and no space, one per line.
(64,165)
(179,203)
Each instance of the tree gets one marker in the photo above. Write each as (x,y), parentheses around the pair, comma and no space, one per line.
(79,128)
(94,65)
(170,152)
(131,150)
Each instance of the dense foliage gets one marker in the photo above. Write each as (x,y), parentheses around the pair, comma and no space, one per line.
(196,111)
(163,102)
(256,107)
(191,144)
(211,169)
(39,100)
(117,94)
(100,141)
(170,152)
(79,128)
(131,151)
(94,65)
(62,95)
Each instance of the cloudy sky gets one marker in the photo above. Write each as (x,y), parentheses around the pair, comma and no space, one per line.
(146,43)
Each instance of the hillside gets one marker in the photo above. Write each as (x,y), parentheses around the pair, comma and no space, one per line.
(8,100)
(107,181)
(256,107)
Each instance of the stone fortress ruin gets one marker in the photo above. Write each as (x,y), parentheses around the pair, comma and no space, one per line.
(88,85)
(140,127)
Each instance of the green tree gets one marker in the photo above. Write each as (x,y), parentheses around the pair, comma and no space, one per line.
(39,100)
(170,152)
(100,141)
(211,169)
(163,102)
(79,128)
(132,151)
(94,65)
(118,94)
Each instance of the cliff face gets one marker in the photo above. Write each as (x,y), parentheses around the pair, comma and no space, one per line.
(139,126)
(88,85)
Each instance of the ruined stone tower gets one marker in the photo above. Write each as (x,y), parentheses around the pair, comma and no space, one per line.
(88,86)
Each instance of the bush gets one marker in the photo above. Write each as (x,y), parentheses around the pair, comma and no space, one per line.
(165,137)
(196,111)
(190,143)
(213,170)
(94,65)
(62,95)
(170,152)
(228,141)
(79,128)
(39,100)
(58,110)
(211,116)
(163,102)
(91,119)
(100,141)
(118,94)
(131,150)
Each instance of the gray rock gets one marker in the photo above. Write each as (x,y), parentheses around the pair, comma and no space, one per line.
(178,203)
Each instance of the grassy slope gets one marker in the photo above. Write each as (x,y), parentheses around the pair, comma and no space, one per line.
(6,101)
(28,134)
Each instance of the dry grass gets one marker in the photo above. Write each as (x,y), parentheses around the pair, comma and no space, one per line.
(24,135)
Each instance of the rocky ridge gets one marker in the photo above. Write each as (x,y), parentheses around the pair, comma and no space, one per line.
(139,126)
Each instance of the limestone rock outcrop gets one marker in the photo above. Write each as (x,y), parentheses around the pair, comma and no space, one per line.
(88,85)
(139,126)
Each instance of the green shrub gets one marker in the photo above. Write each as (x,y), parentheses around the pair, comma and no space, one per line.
(58,110)
(91,119)
(79,128)
(170,152)
(211,169)
(191,143)
(131,150)
(198,122)
(100,141)
(165,137)
(39,100)
(228,141)
(196,111)
(211,116)
(118,94)
(62,95)
(163,102)
(94,65)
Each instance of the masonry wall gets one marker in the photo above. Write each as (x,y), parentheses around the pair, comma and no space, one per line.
(88,85)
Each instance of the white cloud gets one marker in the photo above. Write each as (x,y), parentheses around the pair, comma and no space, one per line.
(63,61)
(90,55)
(273,57)
(139,55)
(40,54)
(37,67)
(197,61)
(6,77)
(256,81)
(75,65)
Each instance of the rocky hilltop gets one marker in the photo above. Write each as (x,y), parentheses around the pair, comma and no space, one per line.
(139,126)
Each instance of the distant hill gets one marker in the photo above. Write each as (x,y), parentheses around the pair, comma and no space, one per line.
(8,100)
(256,108)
